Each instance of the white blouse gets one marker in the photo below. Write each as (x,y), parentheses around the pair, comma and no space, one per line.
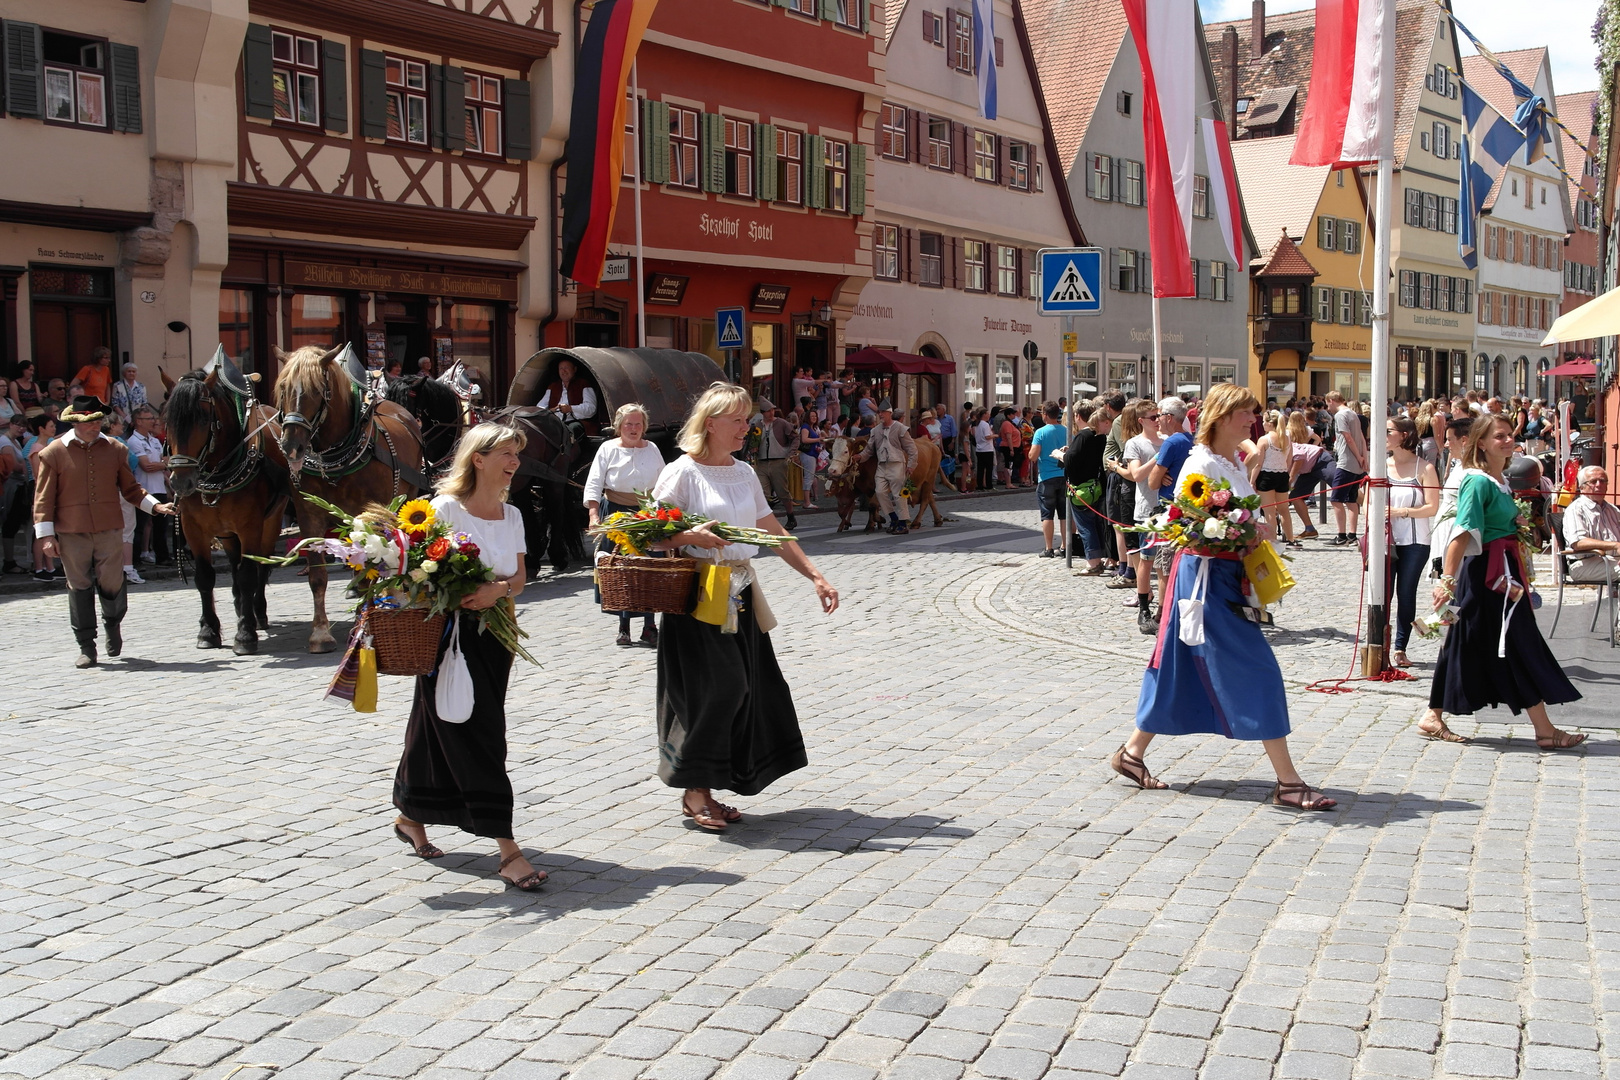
(617,467)
(729,493)
(499,542)
(1206,462)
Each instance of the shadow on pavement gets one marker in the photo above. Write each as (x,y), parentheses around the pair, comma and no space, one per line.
(572,884)
(846,831)
(1355,807)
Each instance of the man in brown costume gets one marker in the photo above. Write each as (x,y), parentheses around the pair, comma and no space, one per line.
(572,398)
(81,478)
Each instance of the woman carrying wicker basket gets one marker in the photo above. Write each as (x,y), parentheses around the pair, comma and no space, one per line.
(622,468)
(725,714)
(455,773)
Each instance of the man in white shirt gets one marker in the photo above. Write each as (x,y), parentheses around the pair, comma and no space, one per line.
(1592,528)
(1350,453)
(150,535)
(571,398)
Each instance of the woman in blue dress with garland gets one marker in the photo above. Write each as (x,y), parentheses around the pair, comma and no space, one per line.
(1230,685)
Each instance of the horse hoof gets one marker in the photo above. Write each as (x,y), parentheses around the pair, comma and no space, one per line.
(245,648)
(318,646)
(208,643)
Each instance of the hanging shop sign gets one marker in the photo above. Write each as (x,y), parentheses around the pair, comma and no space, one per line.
(316,275)
(769,299)
(666,288)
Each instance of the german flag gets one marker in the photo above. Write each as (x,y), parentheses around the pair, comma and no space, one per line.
(595,150)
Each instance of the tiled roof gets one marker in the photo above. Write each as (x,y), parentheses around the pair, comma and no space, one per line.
(1075,43)
(1279,197)
(1575,110)
(892,10)
(1290,37)
(1269,107)
(1286,260)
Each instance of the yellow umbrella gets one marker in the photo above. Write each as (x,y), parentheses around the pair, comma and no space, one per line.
(1599,317)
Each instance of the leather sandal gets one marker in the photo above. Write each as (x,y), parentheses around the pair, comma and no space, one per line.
(423,850)
(1135,770)
(1441,733)
(1560,740)
(708,817)
(729,814)
(1300,794)
(529,882)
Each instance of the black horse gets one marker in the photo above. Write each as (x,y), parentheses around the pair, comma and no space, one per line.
(545,489)
(437,409)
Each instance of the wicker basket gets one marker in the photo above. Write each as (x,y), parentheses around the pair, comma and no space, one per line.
(407,643)
(637,583)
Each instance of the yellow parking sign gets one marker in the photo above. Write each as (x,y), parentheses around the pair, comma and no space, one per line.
(1071,343)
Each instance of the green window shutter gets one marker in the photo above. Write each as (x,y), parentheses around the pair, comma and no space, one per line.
(765,156)
(815,170)
(655,142)
(335,86)
(453,103)
(373,93)
(829,9)
(25,92)
(256,72)
(866,16)
(436,106)
(517,120)
(125,64)
(857,179)
(1144,272)
(712,170)
(779,3)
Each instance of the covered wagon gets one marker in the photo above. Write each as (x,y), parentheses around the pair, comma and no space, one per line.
(665,381)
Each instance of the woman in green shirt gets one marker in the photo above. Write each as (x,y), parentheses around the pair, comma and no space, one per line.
(1494,653)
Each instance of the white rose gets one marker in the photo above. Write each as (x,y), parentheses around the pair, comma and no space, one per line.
(430,566)
(1215,529)
(418,575)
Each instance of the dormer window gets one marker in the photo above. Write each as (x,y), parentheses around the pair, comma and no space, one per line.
(1243,104)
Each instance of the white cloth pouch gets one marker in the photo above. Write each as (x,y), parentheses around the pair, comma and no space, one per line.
(453,696)
(1190,612)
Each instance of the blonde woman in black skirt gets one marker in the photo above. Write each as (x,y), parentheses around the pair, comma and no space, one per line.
(725,714)
(455,774)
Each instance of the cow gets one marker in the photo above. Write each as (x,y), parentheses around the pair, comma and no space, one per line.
(853,480)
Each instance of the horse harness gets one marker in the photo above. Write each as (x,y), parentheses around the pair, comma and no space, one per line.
(241,464)
(523,416)
(357,449)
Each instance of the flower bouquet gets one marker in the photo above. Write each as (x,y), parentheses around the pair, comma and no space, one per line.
(631,580)
(405,559)
(1208,517)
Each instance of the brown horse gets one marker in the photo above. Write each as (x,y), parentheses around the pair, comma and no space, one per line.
(852,480)
(341,447)
(230,483)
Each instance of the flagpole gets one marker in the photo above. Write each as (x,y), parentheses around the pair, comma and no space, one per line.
(1153,380)
(641,267)
(1373,659)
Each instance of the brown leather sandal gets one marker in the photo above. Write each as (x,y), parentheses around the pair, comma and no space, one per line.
(1135,770)
(708,817)
(1301,800)
(730,813)
(529,882)
(1561,740)
(1441,733)
(423,850)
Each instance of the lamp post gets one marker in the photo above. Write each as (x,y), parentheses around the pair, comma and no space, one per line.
(178,327)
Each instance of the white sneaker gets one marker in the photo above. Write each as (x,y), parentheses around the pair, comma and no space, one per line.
(133,576)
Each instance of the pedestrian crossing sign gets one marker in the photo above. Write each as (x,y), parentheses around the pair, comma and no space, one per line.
(1071,281)
(728,323)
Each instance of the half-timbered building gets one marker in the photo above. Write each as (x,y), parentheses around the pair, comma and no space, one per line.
(392,177)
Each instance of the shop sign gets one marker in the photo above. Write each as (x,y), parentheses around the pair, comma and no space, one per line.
(375,279)
(616,268)
(666,288)
(1343,346)
(1145,337)
(769,299)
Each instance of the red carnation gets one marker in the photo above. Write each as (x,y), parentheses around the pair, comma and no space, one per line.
(438,549)
(469,549)
(674,513)
(1175,513)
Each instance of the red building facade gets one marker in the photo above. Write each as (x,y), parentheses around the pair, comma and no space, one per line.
(755,137)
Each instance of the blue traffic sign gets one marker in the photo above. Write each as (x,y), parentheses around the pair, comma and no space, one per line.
(1071,281)
(728,328)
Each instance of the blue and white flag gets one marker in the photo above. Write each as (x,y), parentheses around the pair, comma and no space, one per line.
(1532,117)
(1489,142)
(984,58)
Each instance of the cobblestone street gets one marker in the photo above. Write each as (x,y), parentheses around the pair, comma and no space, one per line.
(199,871)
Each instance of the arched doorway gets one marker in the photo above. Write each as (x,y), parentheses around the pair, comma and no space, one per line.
(1543,390)
(1498,375)
(1521,376)
(1482,367)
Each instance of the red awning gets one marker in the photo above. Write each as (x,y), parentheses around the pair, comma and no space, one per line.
(898,363)
(1573,369)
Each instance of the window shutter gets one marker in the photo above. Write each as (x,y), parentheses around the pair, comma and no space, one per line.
(1322,233)
(866,16)
(958,266)
(1004,162)
(125,64)
(765,158)
(815,172)
(917,129)
(1091,176)
(436,106)
(964,149)
(24,89)
(779,3)
(517,119)
(373,91)
(255,70)
(1119,181)
(1113,270)
(655,142)
(1202,287)
(857,179)
(829,10)
(1000,57)
(1355,307)
(334,86)
(454,105)
(1144,272)
(712,135)
(911,254)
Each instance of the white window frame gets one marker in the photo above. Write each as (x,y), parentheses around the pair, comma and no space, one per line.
(931,265)
(940,151)
(1006,270)
(890,135)
(886,252)
(739,157)
(1200,205)
(975,271)
(407,81)
(1218,280)
(485,100)
(986,157)
(300,69)
(790,166)
(1102,177)
(76,94)
(835,160)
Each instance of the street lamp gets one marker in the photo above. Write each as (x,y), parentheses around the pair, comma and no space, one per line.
(823,313)
(178,327)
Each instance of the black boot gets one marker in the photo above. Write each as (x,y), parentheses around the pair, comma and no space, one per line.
(1145,621)
(82,617)
(113,607)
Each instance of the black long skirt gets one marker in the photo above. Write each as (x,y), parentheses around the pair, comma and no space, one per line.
(455,774)
(1469,676)
(725,714)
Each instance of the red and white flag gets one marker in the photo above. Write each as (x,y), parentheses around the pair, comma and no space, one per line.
(1167,43)
(1223,189)
(1343,117)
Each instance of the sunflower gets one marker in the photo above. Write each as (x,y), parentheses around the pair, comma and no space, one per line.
(416,516)
(623,542)
(1198,489)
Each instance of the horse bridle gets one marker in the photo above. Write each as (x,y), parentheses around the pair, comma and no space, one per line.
(341,459)
(212,484)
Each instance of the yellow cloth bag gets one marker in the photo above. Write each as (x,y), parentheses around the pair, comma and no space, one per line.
(713,594)
(365,684)
(1267,574)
